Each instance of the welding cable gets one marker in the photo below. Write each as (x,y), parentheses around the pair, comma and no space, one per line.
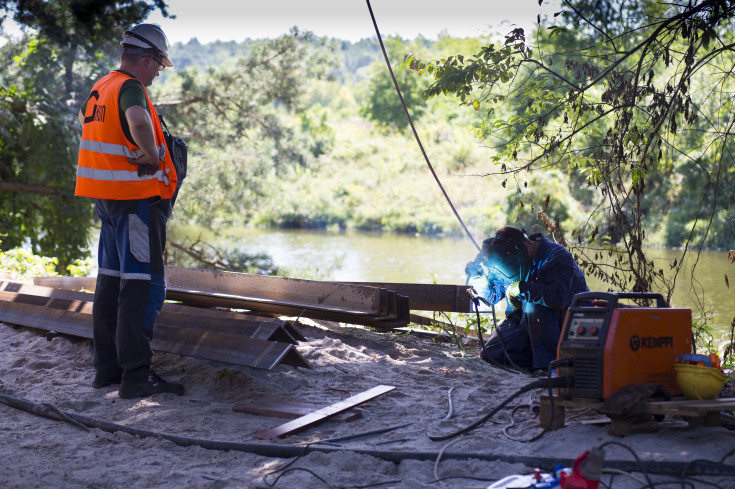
(476,298)
(287,451)
(444,448)
(362,435)
(450,414)
(413,128)
(555,382)
(635,455)
(552,415)
(513,423)
(722,459)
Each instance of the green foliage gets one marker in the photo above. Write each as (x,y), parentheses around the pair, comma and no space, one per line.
(246,124)
(382,104)
(38,164)
(41,79)
(23,264)
(619,99)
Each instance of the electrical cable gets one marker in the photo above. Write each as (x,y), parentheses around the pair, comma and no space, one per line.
(413,128)
(287,451)
(450,414)
(557,382)
(476,298)
(362,435)
(444,448)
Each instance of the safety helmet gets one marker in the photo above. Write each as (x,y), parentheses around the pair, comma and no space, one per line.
(148,36)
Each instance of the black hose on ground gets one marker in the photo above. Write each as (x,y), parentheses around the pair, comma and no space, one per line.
(699,467)
(551,383)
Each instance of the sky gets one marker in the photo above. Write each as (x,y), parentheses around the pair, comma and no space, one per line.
(237,20)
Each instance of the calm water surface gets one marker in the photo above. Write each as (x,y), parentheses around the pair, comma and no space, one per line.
(368,257)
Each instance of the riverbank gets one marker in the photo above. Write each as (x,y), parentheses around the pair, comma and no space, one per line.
(41,453)
(389,257)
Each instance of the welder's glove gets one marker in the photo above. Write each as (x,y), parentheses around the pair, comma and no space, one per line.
(512,293)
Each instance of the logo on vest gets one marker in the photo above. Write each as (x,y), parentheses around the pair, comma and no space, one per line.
(98,111)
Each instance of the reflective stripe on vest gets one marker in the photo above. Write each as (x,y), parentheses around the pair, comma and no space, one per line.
(104,171)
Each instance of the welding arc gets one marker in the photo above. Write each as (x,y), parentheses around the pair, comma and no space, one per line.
(413,128)
(701,467)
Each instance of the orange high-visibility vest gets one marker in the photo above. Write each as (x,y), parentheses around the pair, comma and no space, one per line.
(103,169)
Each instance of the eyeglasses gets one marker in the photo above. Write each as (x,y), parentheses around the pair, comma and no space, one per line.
(160,65)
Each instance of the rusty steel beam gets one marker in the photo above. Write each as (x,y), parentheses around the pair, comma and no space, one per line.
(68,283)
(328,295)
(423,297)
(196,319)
(41,317)
(397,319)
(238,348)
(429,297)
(227,348)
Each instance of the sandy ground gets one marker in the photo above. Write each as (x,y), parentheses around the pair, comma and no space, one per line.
(37,452)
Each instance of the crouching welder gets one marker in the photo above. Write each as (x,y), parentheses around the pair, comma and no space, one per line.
(538,279)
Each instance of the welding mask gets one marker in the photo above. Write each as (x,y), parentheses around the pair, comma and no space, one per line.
(507,258)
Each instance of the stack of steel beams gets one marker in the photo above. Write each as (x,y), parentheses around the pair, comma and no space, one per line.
(209,334)
(377,307)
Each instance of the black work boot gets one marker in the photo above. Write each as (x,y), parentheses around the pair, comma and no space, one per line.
(101,380)
(154,384)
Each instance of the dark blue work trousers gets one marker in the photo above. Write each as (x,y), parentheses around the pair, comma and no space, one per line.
(130,287)
(526,340)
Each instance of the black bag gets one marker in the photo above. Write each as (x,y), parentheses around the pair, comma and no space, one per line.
(179,153)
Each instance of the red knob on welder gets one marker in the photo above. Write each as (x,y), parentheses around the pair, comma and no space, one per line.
(594,330)
(581,330)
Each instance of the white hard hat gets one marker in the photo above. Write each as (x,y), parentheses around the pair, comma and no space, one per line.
(148,36)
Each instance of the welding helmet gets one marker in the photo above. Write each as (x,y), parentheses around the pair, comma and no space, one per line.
(507,256)
(147,37)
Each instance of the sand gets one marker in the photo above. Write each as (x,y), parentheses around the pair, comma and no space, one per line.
(37,452)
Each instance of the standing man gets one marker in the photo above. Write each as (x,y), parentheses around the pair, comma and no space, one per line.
(125,166)
(538,278)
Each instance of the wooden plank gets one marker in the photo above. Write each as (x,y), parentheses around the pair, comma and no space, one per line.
(325,294)
(321,414)
(282,408)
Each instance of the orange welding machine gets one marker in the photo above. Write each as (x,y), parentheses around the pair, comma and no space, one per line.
(610,345)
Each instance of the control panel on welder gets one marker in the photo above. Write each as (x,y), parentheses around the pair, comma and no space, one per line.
(585,328)
(608,344)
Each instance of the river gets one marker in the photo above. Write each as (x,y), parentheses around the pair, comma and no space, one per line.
(380,257)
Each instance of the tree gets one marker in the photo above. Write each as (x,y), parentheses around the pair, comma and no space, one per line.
(631,98)
(80,29)
(245,123)
(42,79)
(382,105)
(619,92)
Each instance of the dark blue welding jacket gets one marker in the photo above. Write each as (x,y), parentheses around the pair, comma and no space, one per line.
(545,293)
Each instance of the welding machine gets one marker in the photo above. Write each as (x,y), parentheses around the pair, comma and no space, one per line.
(610,345)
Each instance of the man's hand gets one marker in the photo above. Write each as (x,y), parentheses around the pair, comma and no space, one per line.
(141,128)
(147,165)
(512,293)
